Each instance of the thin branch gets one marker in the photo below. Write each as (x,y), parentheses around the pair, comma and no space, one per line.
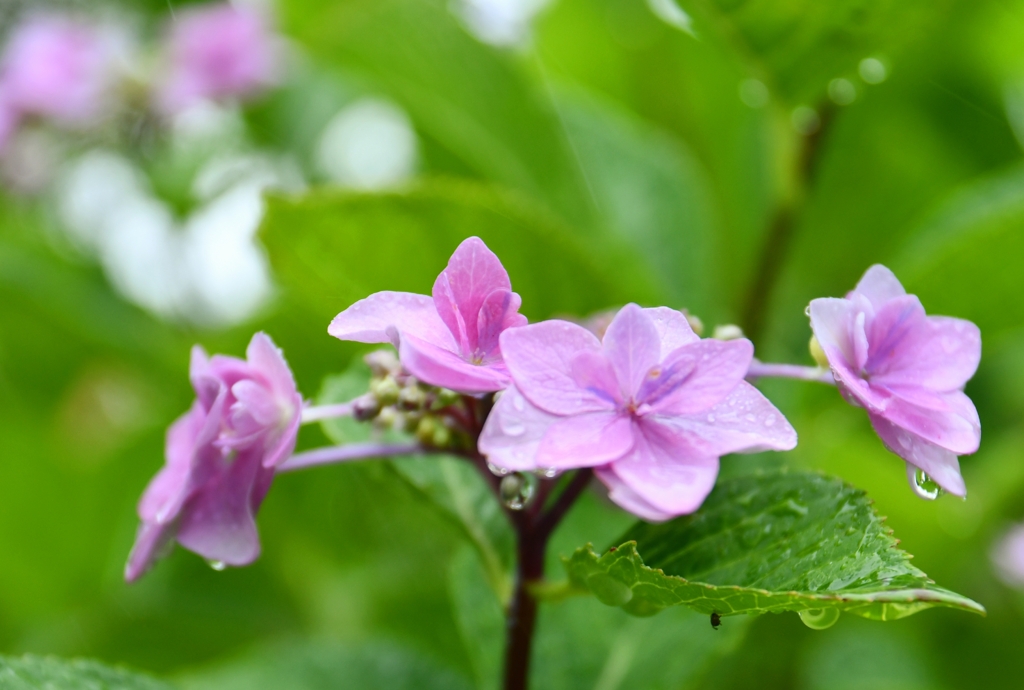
(548,521)
(320,412)
(760,370)
(354,451)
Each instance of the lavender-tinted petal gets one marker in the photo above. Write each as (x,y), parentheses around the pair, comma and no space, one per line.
(667,475)
(947,420)
(167,491)
(513,431)
(255,406)
(673,328)
(498,312)
(151,542)
(586,440)
(442,367)
(744,422)
(697,376)
(879,285)
(939,464)
(473,273)
(383,316)
(633,345)
(594,373)
(540,359)
(627,499)
(937,353)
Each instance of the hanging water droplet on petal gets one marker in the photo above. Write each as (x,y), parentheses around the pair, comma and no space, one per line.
(517,490)
(497,471)
(217,565)
(548,472)
(819,619)
(922,484)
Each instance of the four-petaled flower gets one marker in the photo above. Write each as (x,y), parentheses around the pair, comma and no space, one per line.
(651,408)
(221,456)
(451,339)
(907,370)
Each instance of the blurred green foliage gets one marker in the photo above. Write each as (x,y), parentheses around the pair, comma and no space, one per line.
(610,159)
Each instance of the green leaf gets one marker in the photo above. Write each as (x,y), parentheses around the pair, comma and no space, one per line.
(332,248)
(451,484)
(309,665)
(766,542)
(47,673)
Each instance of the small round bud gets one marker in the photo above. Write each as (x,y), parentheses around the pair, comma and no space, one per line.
(695,323)
(386,390)
(817,353)
(425,430)
(412,397)
(727,331)
(445,398)
(389,418)
(442,436)
(382,362)
(365,408)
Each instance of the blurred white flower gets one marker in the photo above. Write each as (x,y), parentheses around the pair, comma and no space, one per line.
(369,144)
(498,22)
(1008,557)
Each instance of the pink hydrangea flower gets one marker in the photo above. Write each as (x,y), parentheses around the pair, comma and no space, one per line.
(216,52)
(451,339)
(651,407)
(907,370)
(58,68)
(220,461)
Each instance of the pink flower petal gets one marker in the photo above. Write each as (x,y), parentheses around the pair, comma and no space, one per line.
(164,495)
(151,541)
(269,361)
(667,475)
(745,422)
(832,320)
(383,316)
(938,463)
(673,328)
(633,345)
(879,285)
(473,273)
(513,432)
(441,367)
(586,440)
(499,312)
(594,373)
(629,500)
(697,376)
(948,420)
(540,357)
(934,352)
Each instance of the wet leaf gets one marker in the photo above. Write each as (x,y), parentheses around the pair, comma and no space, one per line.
(766,542)
(46,673)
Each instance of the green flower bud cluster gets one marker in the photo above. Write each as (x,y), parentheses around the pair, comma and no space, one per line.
(398,401)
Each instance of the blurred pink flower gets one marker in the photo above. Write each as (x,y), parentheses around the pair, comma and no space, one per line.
(1008,557)
(652,407)
(215,52)
(221,457)
(58,68)
(450,339)
(8,121)
(907,370)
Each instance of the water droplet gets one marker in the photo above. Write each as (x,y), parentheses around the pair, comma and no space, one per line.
(517,489)
(711,419)
(217,565)
(548,472)
(819,619)
(769,420)
(751,418)
(512,427)
(518,403)
(922,484)
(497,471)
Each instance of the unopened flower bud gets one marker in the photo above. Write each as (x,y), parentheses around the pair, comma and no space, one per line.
(727,331)
(386,390)
(382,362)
(817,353)
(425,430)
(412,397)
(445,398)
(365,408)
(695,323)
(389,418)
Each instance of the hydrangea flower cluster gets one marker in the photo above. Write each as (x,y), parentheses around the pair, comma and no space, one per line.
(648,407)
(70,72)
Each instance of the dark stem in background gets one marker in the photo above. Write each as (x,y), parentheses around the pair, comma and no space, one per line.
(780,232)
(533,530)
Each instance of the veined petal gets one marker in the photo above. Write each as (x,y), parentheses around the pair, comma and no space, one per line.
(473,273)
(540,359)
(442,367)
(500,310)
(879,285)
(939,464)
(383,316)
(163,496)
(586,440)
(673,328)
(266,358)
(513,432)
(633,345)
(668,476)
(697,376)
(933,352)
(947,420)
(744,422)
(627,499)
(832,320)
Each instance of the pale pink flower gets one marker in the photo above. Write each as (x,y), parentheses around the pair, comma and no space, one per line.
(1008,557)
(221,457)
(651,407)
(217,52)
(451,339)
(907,370)
(58,68)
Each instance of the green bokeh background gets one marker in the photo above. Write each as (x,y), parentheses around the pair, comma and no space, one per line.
(610,159)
